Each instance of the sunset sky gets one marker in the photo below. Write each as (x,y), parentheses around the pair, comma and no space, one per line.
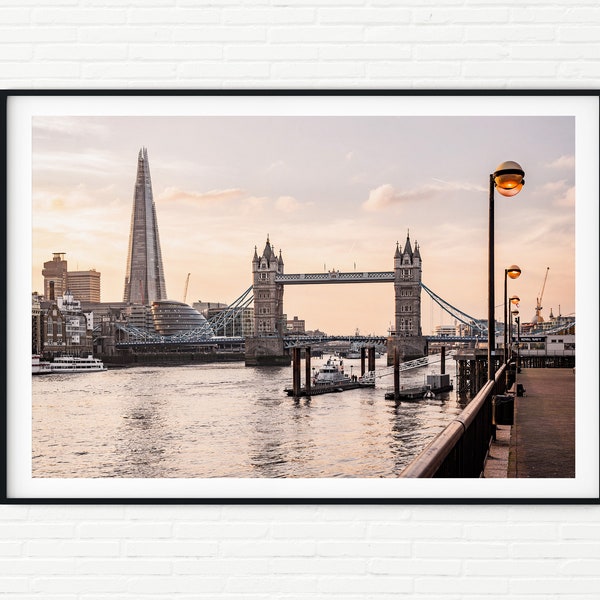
(332,192)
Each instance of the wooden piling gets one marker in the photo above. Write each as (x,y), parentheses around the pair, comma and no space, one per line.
(371,358)
(443,361)
(362,360)
(396,374)
(296,371)
(307,370)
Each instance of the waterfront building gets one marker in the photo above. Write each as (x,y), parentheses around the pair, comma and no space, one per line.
(445,330)
(55,276)
(174,318)
(144,277)
(204,307)
(139,316)
(296,325)
(240,324)
(67,330)
(84,285)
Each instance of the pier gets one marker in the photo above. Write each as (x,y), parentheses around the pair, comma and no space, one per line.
(538,443)
(541,441)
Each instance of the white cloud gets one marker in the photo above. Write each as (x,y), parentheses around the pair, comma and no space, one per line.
(562,162)
(68,126)
(175,194)
(276,166)
(387,195)
(567,198)
(287,204)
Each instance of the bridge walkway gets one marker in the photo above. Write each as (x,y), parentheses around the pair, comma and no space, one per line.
(541,441)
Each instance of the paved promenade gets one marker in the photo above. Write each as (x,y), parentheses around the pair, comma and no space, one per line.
(541,442)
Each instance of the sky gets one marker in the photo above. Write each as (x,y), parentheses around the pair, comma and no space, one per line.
(330,192)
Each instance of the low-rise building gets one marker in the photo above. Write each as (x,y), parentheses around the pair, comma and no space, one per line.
(66,329)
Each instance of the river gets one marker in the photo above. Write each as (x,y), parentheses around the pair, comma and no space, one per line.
(226,420)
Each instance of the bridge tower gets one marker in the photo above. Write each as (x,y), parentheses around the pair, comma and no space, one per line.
(266,347)
(407,336)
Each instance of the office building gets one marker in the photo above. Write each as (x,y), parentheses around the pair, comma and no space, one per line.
(144,278)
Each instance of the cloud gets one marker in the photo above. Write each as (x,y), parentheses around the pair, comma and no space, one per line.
(562,162)
(387,195)
(287,204)
(558,193)
(567,199)
(253,205)
(81,127)
(175,194)
(82,164)
(276,166)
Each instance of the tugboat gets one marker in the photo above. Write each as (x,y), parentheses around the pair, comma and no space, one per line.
(331,378)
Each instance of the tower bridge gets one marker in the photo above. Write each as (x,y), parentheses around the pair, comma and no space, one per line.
(267,346)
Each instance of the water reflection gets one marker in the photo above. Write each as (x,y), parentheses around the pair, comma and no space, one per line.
(223,421)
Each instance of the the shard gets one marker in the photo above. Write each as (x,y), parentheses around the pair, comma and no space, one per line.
(144,278)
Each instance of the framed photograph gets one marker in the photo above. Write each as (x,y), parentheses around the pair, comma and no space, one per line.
(284,296)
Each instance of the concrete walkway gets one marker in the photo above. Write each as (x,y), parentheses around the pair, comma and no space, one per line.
(541,442)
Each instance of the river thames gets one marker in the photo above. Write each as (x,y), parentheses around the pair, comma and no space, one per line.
(227,420)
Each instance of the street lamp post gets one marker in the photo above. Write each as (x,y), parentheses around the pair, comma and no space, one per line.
(518,320)
(516,315)
(512,300)
(513,272)
(513,313)
(508,179)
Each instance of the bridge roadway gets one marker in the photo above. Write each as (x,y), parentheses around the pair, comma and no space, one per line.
(289,341)
(334,277)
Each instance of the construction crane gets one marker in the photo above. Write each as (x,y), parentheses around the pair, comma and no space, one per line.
(187,280)
(538,309)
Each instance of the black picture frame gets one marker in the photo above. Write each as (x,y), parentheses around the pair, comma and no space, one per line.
(19,105)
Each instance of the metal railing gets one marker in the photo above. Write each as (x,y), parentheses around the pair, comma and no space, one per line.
(461,448)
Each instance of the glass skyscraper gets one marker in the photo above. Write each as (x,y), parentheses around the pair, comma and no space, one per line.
(144,279)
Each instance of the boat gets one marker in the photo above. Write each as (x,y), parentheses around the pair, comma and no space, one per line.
(331,372)
(436,384)
(39,366)
(75,364)
(331,378)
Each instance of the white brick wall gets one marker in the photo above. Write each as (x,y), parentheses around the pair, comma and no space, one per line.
(298,552)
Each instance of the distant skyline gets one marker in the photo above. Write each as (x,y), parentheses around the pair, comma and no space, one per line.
(331,192)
